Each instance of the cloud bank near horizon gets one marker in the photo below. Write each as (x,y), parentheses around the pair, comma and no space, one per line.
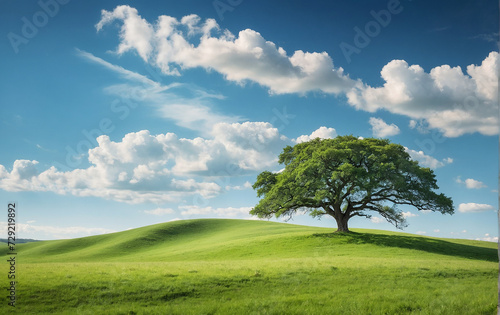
(161,168)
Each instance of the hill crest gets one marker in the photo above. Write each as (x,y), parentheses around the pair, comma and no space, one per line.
(232,239)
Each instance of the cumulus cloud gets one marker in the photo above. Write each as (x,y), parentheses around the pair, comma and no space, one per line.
(146,168)
(474,207)
(471,183)
(321,132)
(381,129)
(170,45)
(255,145)
(427,160)
(136,34)
(474,184)
(157,168)
(446,98)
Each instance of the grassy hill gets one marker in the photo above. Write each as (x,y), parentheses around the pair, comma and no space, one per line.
(216,266)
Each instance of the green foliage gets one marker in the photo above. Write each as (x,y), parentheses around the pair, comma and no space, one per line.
(254,267)
(346,177)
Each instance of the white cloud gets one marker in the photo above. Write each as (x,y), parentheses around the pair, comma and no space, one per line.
(160,211)
(421,125)
(408,214)
(474,184)
(377,220)
(381,129)
(187,105)
(471,183)
(254,145)
(321,132)
(136,34)
(28,230)
(488,238)
(246,185)
(436,231)
(446,98)
(421,232)
(474,207)
(427,160)
(489,37)
(127,74)
(247,56)
(254,218)
(221,212)
(157,168)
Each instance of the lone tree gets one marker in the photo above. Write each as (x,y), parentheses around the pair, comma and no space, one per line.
(346,177)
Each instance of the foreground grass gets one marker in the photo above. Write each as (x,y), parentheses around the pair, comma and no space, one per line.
(230,266)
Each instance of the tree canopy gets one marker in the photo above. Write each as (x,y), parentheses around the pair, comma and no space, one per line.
(347,177)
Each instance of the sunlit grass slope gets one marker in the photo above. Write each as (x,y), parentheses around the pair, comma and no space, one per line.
(217,239)
(216,266)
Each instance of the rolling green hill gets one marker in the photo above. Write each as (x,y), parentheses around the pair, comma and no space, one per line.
(216,239)
(219,266)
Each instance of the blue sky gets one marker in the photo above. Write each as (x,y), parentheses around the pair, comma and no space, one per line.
(116,115)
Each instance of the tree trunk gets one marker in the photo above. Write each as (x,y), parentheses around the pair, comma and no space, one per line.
(342,220)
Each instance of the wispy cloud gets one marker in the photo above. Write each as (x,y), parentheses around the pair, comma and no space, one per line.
(188,105)
(491,37)
(246,185)
(28,230)
(126,74)
(160,211)
(229,211)
(440,29)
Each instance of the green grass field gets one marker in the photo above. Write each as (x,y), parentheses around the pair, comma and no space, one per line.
(217,266)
